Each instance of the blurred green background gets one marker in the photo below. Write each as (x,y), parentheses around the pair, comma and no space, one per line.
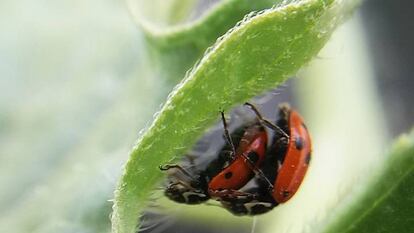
(77,87)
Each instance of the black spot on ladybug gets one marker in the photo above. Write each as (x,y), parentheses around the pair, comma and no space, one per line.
(285,193)
(228,175)
(253,157)
(308,158)
(299,143)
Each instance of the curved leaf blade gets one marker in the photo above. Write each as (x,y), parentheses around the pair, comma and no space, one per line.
(176,48)
(255,56)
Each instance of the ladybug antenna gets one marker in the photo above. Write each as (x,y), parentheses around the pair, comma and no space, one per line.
(227,135)
(266,122)
(259,172)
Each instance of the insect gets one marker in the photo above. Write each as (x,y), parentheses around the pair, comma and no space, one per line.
(277,171)
(232,169)
(282,172)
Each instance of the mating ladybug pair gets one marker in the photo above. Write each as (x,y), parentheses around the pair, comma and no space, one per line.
(248,177)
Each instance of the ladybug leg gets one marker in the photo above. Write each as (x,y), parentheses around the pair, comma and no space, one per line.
(266,122)
(263,177)
(227,136)
(259,172)
(283,141)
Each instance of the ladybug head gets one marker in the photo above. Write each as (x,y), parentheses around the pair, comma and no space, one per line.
(185,193)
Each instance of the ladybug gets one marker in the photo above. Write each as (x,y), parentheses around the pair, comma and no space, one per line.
(282,172)
(277,172)
(296,160)
(234,166)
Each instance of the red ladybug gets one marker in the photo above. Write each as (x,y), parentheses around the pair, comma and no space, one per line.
(282,171)
(278,172)
(296,162)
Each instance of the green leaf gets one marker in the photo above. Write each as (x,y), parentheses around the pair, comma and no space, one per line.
(255,56)
(386,204)
(176,48)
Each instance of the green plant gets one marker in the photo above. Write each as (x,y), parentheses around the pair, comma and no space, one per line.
(70,115)
(259,53)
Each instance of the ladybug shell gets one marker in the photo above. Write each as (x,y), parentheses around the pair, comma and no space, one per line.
(296,161)
(253,146)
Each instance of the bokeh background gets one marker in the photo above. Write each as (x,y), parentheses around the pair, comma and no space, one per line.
(75,82)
